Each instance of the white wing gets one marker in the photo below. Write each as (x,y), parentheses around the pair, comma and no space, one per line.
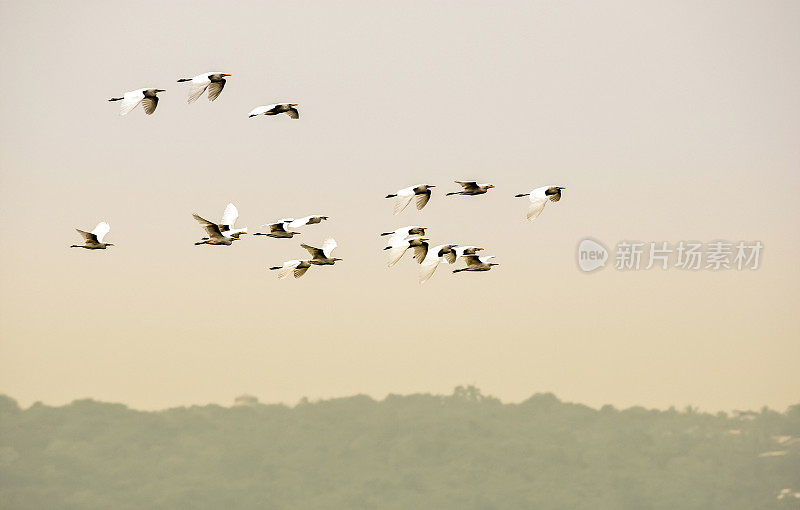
(130,101)
(536,207)
(230,215)
(101,230)
(428,267)
(328,246)
(197,87)
(420,252)
(299,222)
(288,268)
(260,110)
(396,252)
(402,202)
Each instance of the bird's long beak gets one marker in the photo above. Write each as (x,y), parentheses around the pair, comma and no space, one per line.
(160,90)
(560,187)
(224,74)
(431,186)
(294,104)
(490,186)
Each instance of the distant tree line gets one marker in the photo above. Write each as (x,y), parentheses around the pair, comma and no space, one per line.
(463,451)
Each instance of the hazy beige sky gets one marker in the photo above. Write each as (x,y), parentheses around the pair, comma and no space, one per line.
(666,121)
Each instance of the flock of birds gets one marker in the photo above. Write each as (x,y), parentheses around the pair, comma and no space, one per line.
(400,241)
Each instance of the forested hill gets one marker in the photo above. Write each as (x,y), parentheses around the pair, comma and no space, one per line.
(463,451)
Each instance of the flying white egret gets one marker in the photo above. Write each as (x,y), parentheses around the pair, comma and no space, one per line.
(226,226)
(289,109)
(322,256)
(399,247)
(297,268)
(476,263)
(307,220)
(213,81)
(434,257)
(539,198)
(130,100)
(403,232)
(94,240)
(215,235)
(404,196)
(279,229)
(471,188)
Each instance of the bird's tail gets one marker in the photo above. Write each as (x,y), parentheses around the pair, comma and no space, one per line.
(184,79)
(275,267)
(116,99)
(390,196)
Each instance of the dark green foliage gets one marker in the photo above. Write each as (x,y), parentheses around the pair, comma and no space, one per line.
(465,451)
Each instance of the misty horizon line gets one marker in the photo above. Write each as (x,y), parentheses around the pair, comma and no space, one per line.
(468,393)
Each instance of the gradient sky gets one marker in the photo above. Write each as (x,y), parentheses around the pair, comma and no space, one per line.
(666,121)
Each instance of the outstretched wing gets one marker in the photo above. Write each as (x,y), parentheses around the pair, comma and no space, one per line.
(535,208)
(130,101)
(396,252)
(422,199)
(315,252)
(288,268)
(328,246)
(215,89)
(427,268)
(101,230)
(468,185)
(293,113)
(402,202)
(229,216)
(299,222)
(149,104)
(197,88)
(87,236)
(420,252)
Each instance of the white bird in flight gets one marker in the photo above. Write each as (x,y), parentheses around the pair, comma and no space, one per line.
(215,236)
(94,240)
(471,188)
(421,191)
(476,263)
(399,246)
(279,229)
(296,268)
(434,257)
(322,256)
(403,232)
(289,109)
(130,100)
(214,82)
(539,198)
(307,220)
